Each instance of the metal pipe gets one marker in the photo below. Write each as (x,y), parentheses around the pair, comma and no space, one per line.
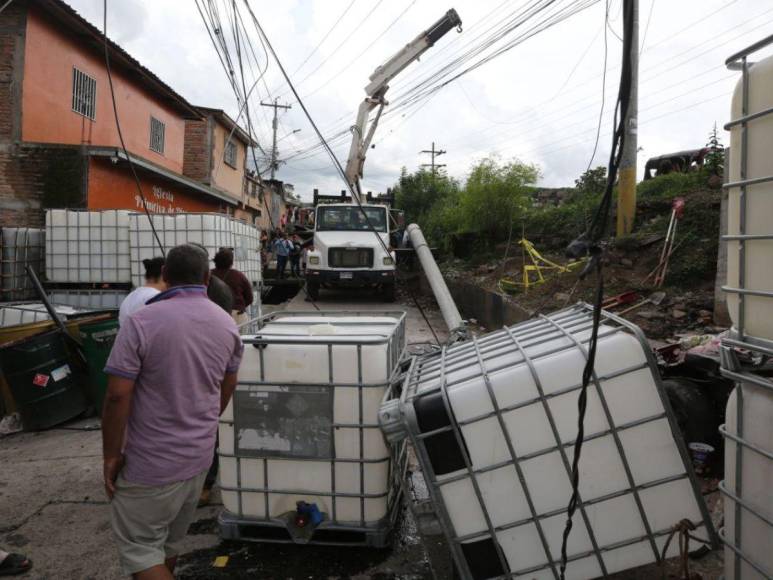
(446,303)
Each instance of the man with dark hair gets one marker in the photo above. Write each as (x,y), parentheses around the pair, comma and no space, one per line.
(172,371)
(238,283)
(138,297)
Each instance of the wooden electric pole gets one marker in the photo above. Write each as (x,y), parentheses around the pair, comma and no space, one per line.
(434,153)
(274,161)
(626,198)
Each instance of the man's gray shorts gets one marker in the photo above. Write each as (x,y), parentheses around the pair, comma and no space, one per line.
(149,522)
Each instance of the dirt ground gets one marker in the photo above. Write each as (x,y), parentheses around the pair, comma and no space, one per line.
(681,311)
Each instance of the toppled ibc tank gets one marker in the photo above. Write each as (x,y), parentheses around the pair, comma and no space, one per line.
(493,423)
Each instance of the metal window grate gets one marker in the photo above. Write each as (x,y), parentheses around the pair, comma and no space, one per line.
(84,94)
(229,153)
(157,131)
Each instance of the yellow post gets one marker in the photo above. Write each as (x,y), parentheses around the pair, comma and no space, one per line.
(626,192)
(626,200)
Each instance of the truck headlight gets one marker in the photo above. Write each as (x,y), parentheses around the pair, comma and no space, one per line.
(314,260)
(388,261)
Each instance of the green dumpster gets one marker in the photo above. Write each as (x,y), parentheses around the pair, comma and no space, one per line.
(98,338)
(46,386)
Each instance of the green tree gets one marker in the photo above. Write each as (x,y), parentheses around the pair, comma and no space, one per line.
(495,194)
(714,162)
(592,182)
(418,193)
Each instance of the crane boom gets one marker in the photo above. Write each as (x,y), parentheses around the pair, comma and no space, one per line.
(362,135)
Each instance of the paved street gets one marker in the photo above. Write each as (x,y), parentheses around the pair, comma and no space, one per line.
(53,508)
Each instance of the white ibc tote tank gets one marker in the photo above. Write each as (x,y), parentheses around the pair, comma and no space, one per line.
(748,485)
(303,423)
(493,421)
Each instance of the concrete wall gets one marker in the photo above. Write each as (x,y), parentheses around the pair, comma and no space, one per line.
(490,309)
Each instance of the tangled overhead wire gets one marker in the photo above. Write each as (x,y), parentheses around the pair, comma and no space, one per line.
(590,244)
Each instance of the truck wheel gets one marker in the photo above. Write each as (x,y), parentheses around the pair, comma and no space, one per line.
(312,290)
(388,292)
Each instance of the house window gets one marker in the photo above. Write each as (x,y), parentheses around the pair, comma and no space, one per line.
(229,155)
(157,129)
(84,94)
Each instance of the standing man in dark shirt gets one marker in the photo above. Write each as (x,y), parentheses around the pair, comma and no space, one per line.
(238,283)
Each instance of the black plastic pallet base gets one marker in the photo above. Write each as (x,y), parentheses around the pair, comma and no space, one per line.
(327,534)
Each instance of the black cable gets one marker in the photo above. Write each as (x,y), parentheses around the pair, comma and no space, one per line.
(603,86)
(424,316)
(589,244)
(120,133)
(334,159)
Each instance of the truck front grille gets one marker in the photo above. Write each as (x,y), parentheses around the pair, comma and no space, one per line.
(350,257)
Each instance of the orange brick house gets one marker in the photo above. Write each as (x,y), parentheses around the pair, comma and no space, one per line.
(59,146)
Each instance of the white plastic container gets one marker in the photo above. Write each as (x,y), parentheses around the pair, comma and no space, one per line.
(493,422)
(211,230)
(748,485)
(302,425)
(87,246)
(20,247)
(758,211)
(751,533)
(90,299)
(13,314)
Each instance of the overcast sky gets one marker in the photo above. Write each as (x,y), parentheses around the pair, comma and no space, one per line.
(539,102)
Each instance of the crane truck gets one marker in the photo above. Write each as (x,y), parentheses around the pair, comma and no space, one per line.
(346,253)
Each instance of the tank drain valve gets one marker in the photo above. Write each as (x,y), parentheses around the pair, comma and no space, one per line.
(307,514)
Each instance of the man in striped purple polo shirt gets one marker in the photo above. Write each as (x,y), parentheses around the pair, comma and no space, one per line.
(171,372)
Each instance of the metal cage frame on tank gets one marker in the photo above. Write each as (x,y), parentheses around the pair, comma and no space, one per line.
(399,420)
(733,367)
(330,531)
(20,247)
(182,230)
(94,254)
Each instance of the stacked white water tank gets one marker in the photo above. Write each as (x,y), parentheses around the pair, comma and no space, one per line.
(748,485)
(87,246)
(88,249)
(20,247)
(24,313)
(212,231)
(303,422)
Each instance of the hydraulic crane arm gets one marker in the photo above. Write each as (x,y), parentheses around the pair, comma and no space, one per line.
(362,135)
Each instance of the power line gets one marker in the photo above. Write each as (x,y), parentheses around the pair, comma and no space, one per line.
(360,53)
(333,158)
(687,61)
(324,38)
(603,86)
(346,39)
(434,153)
(118,128)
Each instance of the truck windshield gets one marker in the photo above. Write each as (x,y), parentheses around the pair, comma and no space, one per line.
(350,218)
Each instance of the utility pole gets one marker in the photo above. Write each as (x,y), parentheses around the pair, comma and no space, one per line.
(276,107)
(626,199)
(434,153)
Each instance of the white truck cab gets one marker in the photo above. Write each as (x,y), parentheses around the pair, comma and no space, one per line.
(346,251)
